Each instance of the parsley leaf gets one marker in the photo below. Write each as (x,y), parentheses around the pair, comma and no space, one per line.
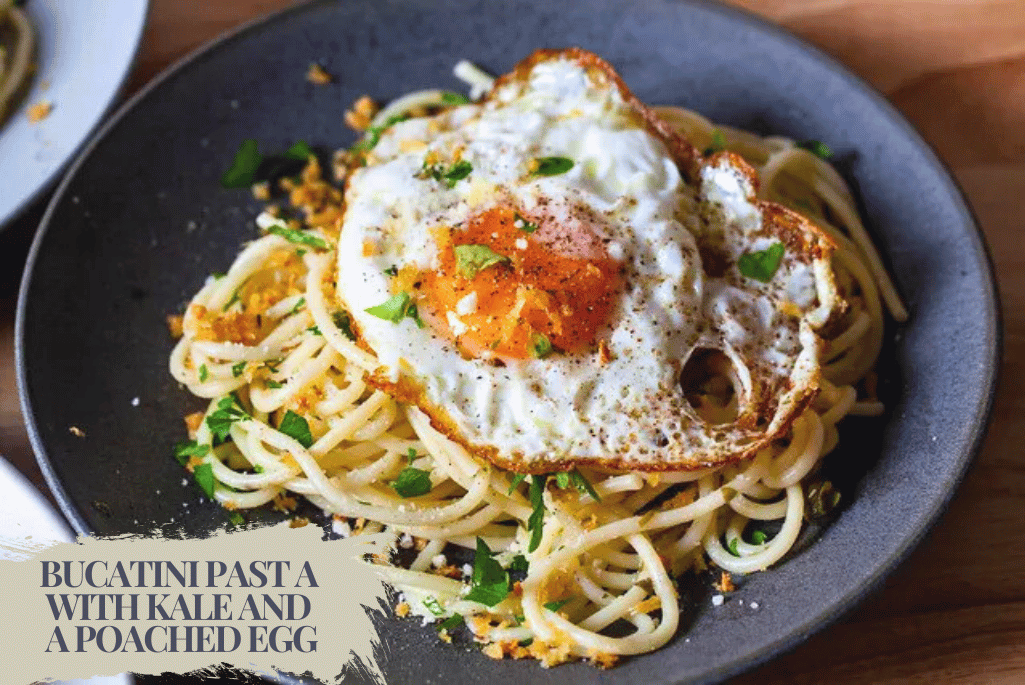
(298,237)
(450,98)
(392,270)
(517,479)
(433,606)
(489,584)
(519,563)
(300,151)
(540,345)
(395,308)
(582,485)
(298,306)
(236,518)
(228,412)
(472,259)
(556,605)
(412,482)
(274,385)
(242,172)
(761,265)
(451,175)
(234,298)
(817,148)
(295,426)
(562,479)
(203,373)
(535,523)
(410,455)
(344,324)
(552,166)
(373,135)
(315,330)
(237,369)
(522,224)
(204,475)
(759,537)
(453,621)
(732,546)
(184,450)
(718,143)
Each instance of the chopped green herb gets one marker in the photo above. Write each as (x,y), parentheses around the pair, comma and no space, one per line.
(298,306)
(395,308)
(453,621)
(234,298)
(562,479)
(555,606)
(718,143)
(204,475)
(450,98)
(242,172)
(298,237)
(552,166)
(412,482)
(300,151)
(203,373)
(472,259)
(449,176)
(732,546)
(218,275)
(373,135)
(759,537)
(489,583)
(433,606)
(822,498)
(238,369)
(392,270)
(344,324)
(535,523)
(583,485)
(540,345)
(410,455)
(817,148)
(295,426)
(274,385)
(516,480)
(763,264)
(523,225)
(185,450)
(258,469)
(315,330)
(272,365)
(236,518)
(228,412)
(519,563)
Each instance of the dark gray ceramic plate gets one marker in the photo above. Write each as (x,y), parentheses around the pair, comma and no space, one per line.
(141,221)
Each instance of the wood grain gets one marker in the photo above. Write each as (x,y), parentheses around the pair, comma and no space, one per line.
(955,612)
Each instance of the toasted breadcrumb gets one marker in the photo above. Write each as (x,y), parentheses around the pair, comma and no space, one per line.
(603,660)
(284,503)
(318,76)
(359,117)
(39,111)
(298,522)
(174,325)
(193,422)
(261,191)
(725,583)
(402,609)
(76,431)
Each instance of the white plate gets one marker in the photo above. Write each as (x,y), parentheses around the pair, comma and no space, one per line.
(27,523)
(84,53)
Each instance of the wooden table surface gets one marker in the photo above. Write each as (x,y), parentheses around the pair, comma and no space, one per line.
(955,611)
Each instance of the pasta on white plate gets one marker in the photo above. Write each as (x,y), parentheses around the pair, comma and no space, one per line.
(17,44)
(573,558)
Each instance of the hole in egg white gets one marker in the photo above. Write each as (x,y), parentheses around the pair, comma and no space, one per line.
(708,381)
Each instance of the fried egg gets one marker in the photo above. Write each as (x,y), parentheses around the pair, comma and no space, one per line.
(540,273)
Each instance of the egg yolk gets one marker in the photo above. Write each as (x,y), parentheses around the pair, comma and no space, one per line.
(535,297)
